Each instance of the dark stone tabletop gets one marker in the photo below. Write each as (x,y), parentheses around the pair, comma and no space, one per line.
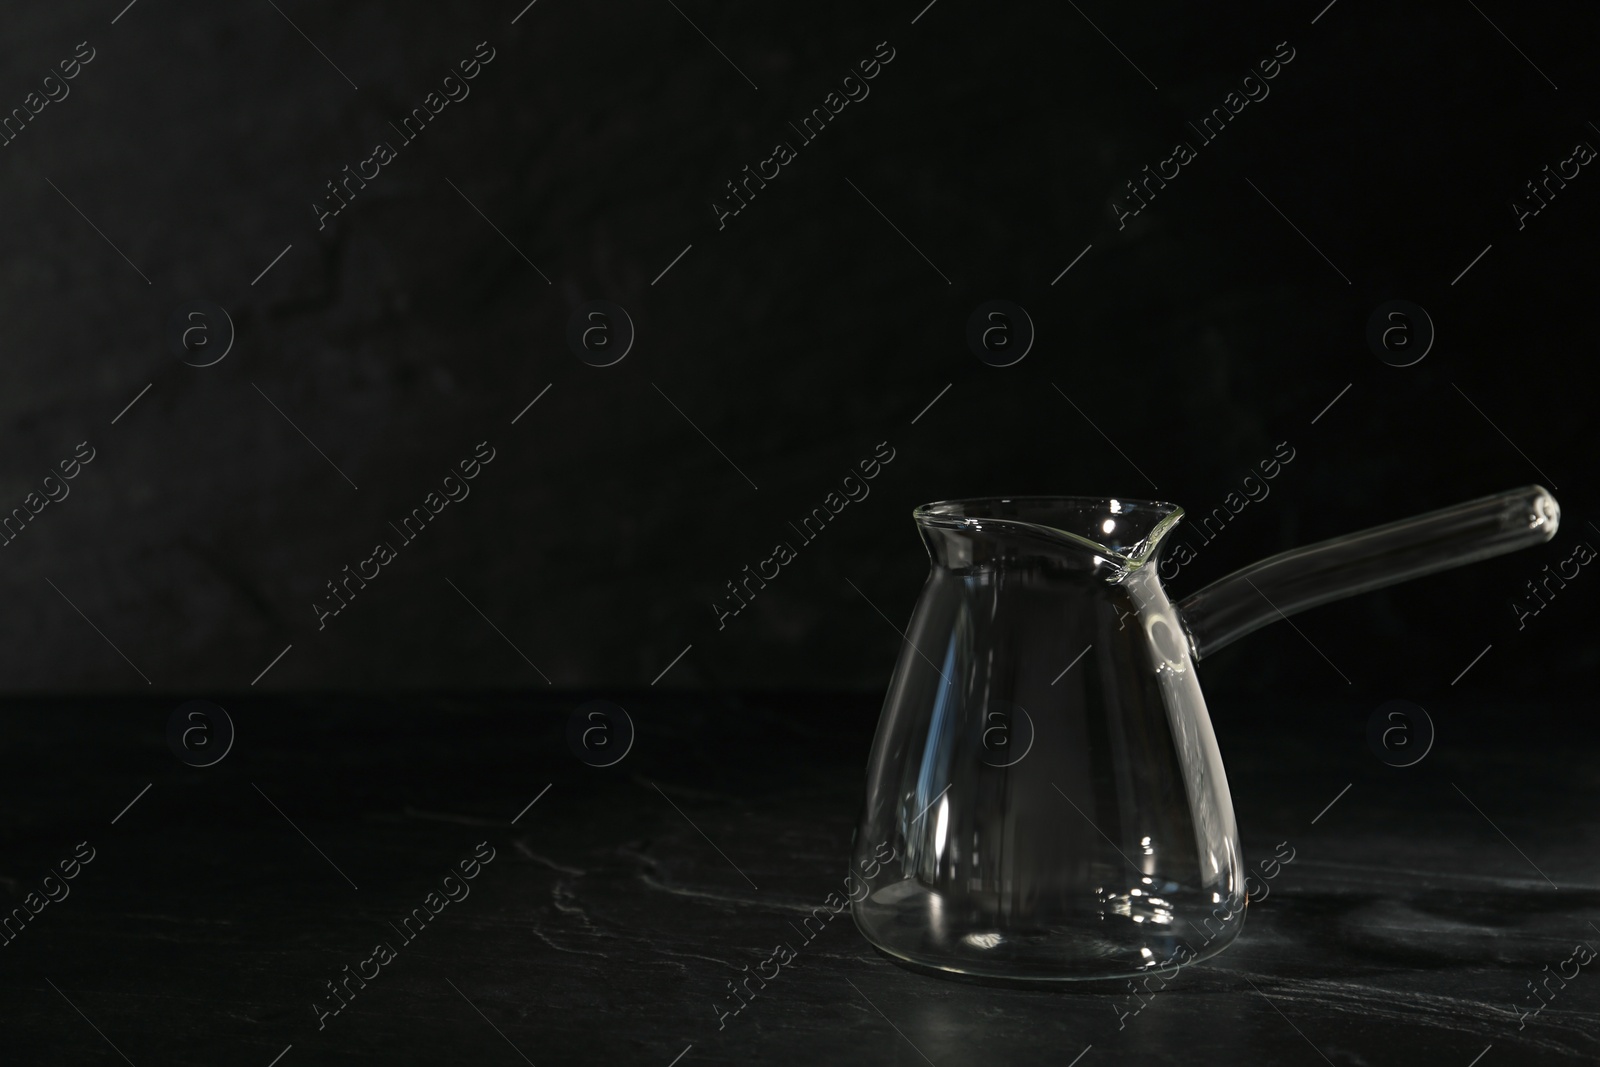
(216,903)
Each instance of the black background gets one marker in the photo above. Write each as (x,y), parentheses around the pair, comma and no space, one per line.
(796,338)
(1229,318)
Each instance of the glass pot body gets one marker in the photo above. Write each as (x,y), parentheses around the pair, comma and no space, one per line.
(1045,770)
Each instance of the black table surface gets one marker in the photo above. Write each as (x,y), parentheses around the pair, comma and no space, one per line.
(1420,904)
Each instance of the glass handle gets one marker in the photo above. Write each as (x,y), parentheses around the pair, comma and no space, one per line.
(1302,578)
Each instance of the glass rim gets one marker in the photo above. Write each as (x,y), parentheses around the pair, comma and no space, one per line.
(1032,516)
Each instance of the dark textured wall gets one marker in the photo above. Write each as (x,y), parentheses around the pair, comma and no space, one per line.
(815,324)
